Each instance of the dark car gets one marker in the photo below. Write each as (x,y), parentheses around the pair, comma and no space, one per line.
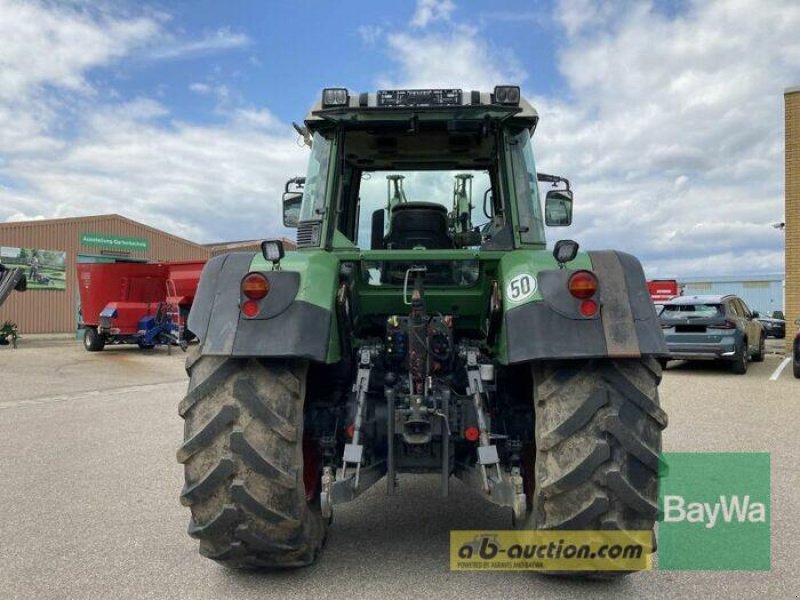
(773,326)
(713,328)
(796,352)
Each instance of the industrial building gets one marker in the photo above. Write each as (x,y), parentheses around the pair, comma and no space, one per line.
(762,293)
(49,249)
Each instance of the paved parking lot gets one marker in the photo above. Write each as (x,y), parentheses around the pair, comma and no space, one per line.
(89,487)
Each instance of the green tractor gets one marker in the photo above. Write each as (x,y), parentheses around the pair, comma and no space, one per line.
(419,332)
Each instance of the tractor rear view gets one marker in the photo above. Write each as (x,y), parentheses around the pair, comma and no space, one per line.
(420,327)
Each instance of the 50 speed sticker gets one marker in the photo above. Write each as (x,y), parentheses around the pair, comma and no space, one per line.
(521,287)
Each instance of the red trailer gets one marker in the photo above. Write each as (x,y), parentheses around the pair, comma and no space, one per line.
(136,303)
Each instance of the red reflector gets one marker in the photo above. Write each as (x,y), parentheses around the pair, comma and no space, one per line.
(582,284)
(589,308)
(255,286)
(472,433)
(250,308)
(350,430)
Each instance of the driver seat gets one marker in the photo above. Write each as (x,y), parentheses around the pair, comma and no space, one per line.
(416,224)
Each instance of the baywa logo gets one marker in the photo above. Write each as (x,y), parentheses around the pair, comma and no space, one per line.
(715,511)
(728,509)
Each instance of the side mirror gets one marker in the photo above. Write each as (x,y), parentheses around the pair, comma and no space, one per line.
(558,208)
(756,314)
(292,201)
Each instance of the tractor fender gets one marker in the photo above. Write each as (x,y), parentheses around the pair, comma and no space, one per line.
(293,321)
(551,326)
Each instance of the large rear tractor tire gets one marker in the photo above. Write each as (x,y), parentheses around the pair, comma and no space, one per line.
(243,459)
(598,439)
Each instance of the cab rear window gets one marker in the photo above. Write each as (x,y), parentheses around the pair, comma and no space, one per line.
(683,311)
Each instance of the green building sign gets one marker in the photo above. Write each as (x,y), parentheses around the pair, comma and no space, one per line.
(114,242)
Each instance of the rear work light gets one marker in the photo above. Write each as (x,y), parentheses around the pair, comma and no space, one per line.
(582,284)
(255,286)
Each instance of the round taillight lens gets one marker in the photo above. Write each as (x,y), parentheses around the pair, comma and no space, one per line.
(472,433)
(589,308)
(255,286)
(250,308)
(582,284)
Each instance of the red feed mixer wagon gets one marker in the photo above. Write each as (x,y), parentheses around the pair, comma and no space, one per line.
(137,303)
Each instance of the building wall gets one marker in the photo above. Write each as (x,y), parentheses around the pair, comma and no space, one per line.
(763,293)
(53,310)
(792,230)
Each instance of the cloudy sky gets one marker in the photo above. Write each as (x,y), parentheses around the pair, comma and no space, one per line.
(667,116)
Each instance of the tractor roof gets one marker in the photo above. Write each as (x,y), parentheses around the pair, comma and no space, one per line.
(424,105)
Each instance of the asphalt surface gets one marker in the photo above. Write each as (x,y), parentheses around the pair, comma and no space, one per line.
(89,494)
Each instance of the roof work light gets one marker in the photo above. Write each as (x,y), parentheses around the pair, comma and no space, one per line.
(334,97)
(507,94)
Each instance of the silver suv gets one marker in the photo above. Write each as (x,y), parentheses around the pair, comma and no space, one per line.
(713,328)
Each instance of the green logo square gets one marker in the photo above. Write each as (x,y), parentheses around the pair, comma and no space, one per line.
(715,510)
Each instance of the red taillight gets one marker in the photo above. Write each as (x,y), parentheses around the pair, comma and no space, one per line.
(472,433)
(582,285)
(250,308)
(725,325)
(589,308)
(350,430)
(255,286)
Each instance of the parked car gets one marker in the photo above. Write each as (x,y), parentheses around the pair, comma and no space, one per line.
(796,352)
(773,326)
(713,328)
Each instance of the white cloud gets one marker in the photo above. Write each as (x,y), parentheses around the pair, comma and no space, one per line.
(170,48)
(57,44)
(674,137)
(430,11)
(68,150)
(670,129)
(203,182)
(457,58)
(200,88)
(370,34)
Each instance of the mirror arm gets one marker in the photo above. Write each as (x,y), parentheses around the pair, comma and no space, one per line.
(554,179)
(296,181)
